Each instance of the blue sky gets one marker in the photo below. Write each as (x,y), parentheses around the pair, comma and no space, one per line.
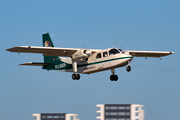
(129,24)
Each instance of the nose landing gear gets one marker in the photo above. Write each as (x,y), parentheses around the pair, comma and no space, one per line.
(128,68)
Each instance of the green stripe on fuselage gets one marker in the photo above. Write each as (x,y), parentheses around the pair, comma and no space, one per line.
(64,65)
(104,61)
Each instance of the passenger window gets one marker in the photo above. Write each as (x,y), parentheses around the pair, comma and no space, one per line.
(113,52)
(98,55)
(105,54)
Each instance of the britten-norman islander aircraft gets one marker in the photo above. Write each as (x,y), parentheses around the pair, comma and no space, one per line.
(85,61)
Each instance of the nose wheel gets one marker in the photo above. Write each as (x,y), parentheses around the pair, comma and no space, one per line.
(113,77)
(75,76)
(128,68)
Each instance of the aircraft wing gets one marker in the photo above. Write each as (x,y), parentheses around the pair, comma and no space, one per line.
(148,53)
(46,51)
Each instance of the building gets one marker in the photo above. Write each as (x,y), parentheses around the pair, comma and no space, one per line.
(119,112)
(55,116)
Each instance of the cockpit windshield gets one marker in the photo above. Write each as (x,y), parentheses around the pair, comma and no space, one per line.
(121,50)
(113,51)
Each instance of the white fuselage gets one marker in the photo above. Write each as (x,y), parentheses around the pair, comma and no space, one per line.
(105,62)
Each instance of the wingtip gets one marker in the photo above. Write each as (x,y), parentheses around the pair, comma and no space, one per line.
(7,49)
(172,52)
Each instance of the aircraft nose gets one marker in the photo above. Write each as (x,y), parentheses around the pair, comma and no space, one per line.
(130,57)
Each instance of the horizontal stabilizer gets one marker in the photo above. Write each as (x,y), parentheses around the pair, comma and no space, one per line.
(35,64)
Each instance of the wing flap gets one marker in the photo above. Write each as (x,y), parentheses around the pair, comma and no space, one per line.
(35,64)
(149,53)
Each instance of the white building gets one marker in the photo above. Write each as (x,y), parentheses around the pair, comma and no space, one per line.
(119,112)
(55,116)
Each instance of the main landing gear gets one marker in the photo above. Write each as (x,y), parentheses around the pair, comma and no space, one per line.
(113,77)
(75,76)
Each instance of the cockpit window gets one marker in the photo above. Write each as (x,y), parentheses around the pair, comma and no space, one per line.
(121,50)
(113,52)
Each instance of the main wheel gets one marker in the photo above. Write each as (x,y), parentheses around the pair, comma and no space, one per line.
(128,68)
(113,77)
(77,76)
(73,76)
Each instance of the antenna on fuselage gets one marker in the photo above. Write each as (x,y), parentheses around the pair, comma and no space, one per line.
(112,45)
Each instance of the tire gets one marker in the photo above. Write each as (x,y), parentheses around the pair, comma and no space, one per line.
(128,68)
(115,77)
(73,76)
(112,77)
(77,76)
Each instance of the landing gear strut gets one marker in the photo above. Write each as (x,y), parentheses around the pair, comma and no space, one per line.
(75,76)
(128,68)
(113,77)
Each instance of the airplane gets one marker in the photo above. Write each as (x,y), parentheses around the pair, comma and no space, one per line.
(85,61)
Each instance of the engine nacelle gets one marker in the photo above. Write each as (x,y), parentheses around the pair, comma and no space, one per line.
(81,54)
(87,52)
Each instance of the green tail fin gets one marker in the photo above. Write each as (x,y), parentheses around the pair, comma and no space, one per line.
(47,42)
